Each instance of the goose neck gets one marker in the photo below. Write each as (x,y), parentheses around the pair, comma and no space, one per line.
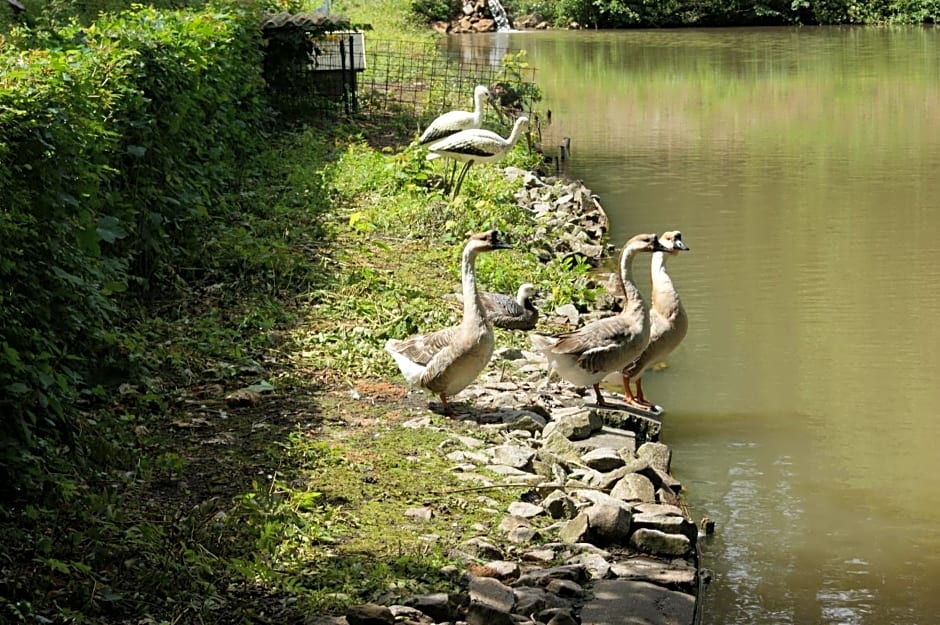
(658,273)
(664,295)
(632,295)
(472,307)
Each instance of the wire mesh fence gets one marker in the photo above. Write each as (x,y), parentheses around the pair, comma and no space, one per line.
(419,80)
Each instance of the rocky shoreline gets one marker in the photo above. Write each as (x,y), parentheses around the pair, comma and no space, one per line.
(598,534)
(476,17)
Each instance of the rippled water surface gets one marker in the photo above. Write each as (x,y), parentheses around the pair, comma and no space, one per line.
(803,168)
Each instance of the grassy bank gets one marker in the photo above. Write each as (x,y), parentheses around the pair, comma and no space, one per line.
(258,469)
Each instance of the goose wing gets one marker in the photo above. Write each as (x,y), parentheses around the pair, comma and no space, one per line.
(597,345)
(504,311)
(421,348)
(501,305)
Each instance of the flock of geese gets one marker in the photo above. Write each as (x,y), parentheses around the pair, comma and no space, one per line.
(448,360)
(457,135)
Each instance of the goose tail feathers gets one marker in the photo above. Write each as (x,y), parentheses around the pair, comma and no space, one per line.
(411,370)
(542,343)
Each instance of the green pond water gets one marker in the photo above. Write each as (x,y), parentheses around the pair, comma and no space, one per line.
(802,166)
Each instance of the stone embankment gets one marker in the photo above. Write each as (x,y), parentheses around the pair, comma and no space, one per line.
(475,17)
(598,534)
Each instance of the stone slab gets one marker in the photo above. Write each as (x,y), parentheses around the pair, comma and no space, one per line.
(626,602)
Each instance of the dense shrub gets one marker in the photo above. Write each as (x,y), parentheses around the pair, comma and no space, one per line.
(433,10)
(116,145)
(674,13)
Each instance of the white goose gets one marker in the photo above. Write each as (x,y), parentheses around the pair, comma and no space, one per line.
(586,355)
(668,320)
(476,145)
(510,313)
(446,361)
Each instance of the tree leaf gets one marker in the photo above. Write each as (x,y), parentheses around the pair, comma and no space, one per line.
(110,229)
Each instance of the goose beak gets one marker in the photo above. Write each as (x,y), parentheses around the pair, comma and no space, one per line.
(496,243)
(681,246)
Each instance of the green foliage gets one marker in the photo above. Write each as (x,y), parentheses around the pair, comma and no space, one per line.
(117,141)
(435,10)
(674,13)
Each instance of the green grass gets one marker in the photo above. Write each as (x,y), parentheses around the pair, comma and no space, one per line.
(189,509)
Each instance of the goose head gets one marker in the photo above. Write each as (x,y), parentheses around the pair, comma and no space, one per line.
(482,94)
(644,243)
(526,292)
(673,242)
(486,242)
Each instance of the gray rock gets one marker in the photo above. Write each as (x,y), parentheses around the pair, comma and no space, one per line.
(524,420)
(556,446)
(675,573)
(596,565)
(559,505)
(369,614)
(541,577)
(609,524)
(522,535)
(424,514)
(575,423)
(603,459)
(559,617)
(661,479)
(482,548)
(510,523)
(596,497)
(644,428)
(508,353)
(623,441)
(634,487)
(606,481)
(569,312)
(657,454)
(666,496)
(491,592)
(507,471)
(565,588)
(525,510)
(669,524)
(542,556)
(660,543)
(503,569)
(658,509)
(530,599)
(407,614)
(467,456)
(327,620)
(437,605)
(470,442)
(575,530)
(513,456)
(482,614)
(626,602)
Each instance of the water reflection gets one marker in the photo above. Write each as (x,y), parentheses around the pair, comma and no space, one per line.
(802,167)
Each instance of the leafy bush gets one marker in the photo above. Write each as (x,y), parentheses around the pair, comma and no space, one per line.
(117,142)
(638,14)
(435,10)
